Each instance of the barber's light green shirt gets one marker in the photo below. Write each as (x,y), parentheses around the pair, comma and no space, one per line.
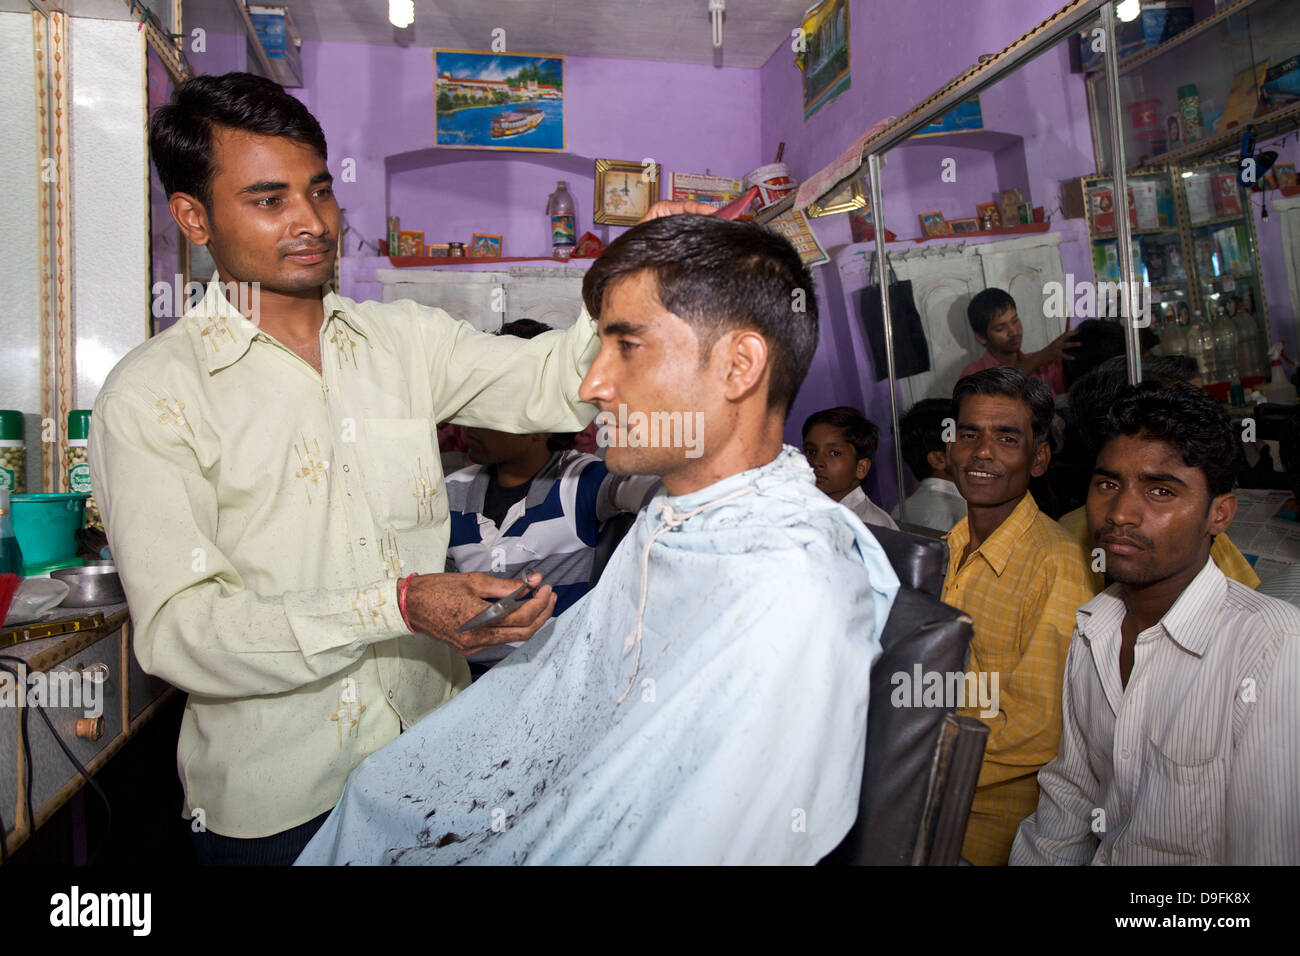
(261,515)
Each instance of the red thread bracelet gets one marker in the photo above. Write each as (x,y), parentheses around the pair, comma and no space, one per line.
(402,587)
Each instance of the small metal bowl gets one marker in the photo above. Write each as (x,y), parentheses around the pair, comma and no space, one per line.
(92,586)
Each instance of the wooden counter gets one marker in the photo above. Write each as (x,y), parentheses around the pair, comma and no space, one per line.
(94,665)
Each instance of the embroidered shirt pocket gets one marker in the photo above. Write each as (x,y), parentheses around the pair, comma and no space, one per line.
(403,471)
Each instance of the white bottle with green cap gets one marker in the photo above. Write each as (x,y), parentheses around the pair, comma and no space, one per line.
(13,452)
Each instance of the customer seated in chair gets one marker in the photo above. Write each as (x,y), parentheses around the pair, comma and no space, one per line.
(996,323)
(683,711)
(532,501)
(1021,578)
(840,444)
(936,504)
(1181,743)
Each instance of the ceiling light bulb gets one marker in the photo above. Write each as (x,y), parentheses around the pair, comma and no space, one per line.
(401,13)
(1128,10)
(716,8)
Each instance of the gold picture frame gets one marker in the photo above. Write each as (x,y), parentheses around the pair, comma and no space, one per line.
(846,198)
(625,191)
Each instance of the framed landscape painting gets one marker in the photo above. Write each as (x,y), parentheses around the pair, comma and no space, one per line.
(498,100)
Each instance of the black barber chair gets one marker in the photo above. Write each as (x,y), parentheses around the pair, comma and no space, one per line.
(922,763)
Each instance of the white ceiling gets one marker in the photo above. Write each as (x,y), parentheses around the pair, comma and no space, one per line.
(673,30)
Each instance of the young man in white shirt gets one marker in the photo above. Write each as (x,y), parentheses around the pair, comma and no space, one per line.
(1181,738)
(840,443)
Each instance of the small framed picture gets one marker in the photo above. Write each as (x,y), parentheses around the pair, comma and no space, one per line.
(485,246)
(933,224)
(410,242)
(625,191)
(988,215)
(438,250)
(1025,213)
(1285,173)
(961,227)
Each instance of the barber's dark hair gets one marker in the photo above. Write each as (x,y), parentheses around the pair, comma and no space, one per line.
(985,306)
(180,133)
(1008,382)
(1186,418)
(921,432)
(528,329)
(859,431)
(1092,395)
(1288,448)
(718,275)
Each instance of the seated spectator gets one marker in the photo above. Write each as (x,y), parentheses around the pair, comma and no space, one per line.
(840,444)
(1285,585)
(1021,579)
(936,504)
(684,710)
(1091,399)
(996,324)
(531,501)
(1181,743)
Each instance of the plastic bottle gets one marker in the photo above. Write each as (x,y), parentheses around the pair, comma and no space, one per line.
(11,556)
(1225,345)
(1200,346)
(1189,110)
(564,233)
(1236,394)
(1249,358)
(78,464)
(1173,337)
(13,452)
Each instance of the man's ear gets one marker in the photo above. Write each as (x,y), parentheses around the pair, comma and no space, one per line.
(192,218)
(937,460)
(1042,458)
(1222,510)
(744,359)
(864,466)
(982,340)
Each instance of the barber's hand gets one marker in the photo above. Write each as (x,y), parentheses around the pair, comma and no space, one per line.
(438,604)
(672,207)
(1058,348)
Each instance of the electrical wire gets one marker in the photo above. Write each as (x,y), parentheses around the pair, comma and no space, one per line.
(27,756)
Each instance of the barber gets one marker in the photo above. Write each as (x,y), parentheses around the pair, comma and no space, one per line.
(272,488)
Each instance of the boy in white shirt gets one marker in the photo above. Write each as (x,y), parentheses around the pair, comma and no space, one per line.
(839,443)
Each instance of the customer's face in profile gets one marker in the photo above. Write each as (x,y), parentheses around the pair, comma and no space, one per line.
(273,218)
(648,365)
(1151,512)
(993,455)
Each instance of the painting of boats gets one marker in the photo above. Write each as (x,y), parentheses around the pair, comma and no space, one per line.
(498,100)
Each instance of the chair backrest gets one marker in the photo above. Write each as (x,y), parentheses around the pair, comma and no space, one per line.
(611,533)
(918,771)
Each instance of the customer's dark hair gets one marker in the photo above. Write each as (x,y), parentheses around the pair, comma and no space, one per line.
(1091,397)
(1288,448)
(1186,418)
(921,432)
(1098,340)
(718,275)
(180,133)
(985,306)
(528,329)
(1008,382)
(859,431)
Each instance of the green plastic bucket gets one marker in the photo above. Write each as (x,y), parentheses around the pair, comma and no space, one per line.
(47,525)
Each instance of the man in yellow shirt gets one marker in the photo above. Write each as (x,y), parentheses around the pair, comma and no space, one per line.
(272,488)
(1021,578)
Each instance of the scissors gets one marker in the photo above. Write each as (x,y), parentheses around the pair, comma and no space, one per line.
(502,607)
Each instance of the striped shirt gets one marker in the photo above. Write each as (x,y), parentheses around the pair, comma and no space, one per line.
(1021,587)
(1197,760)
(554,527)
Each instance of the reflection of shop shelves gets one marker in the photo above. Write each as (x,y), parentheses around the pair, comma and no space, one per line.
(1020,230)
(1221,220)
(1195,30)
(1160,230)
(1265,125)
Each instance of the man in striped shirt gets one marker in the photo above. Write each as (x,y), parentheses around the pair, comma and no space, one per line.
(1181,737)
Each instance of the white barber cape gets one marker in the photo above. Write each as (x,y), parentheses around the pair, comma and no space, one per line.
(705,703)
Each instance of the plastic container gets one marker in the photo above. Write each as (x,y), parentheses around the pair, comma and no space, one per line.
(46,526)
(1189,109)
(773,182)
(13,452)
(564,229)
